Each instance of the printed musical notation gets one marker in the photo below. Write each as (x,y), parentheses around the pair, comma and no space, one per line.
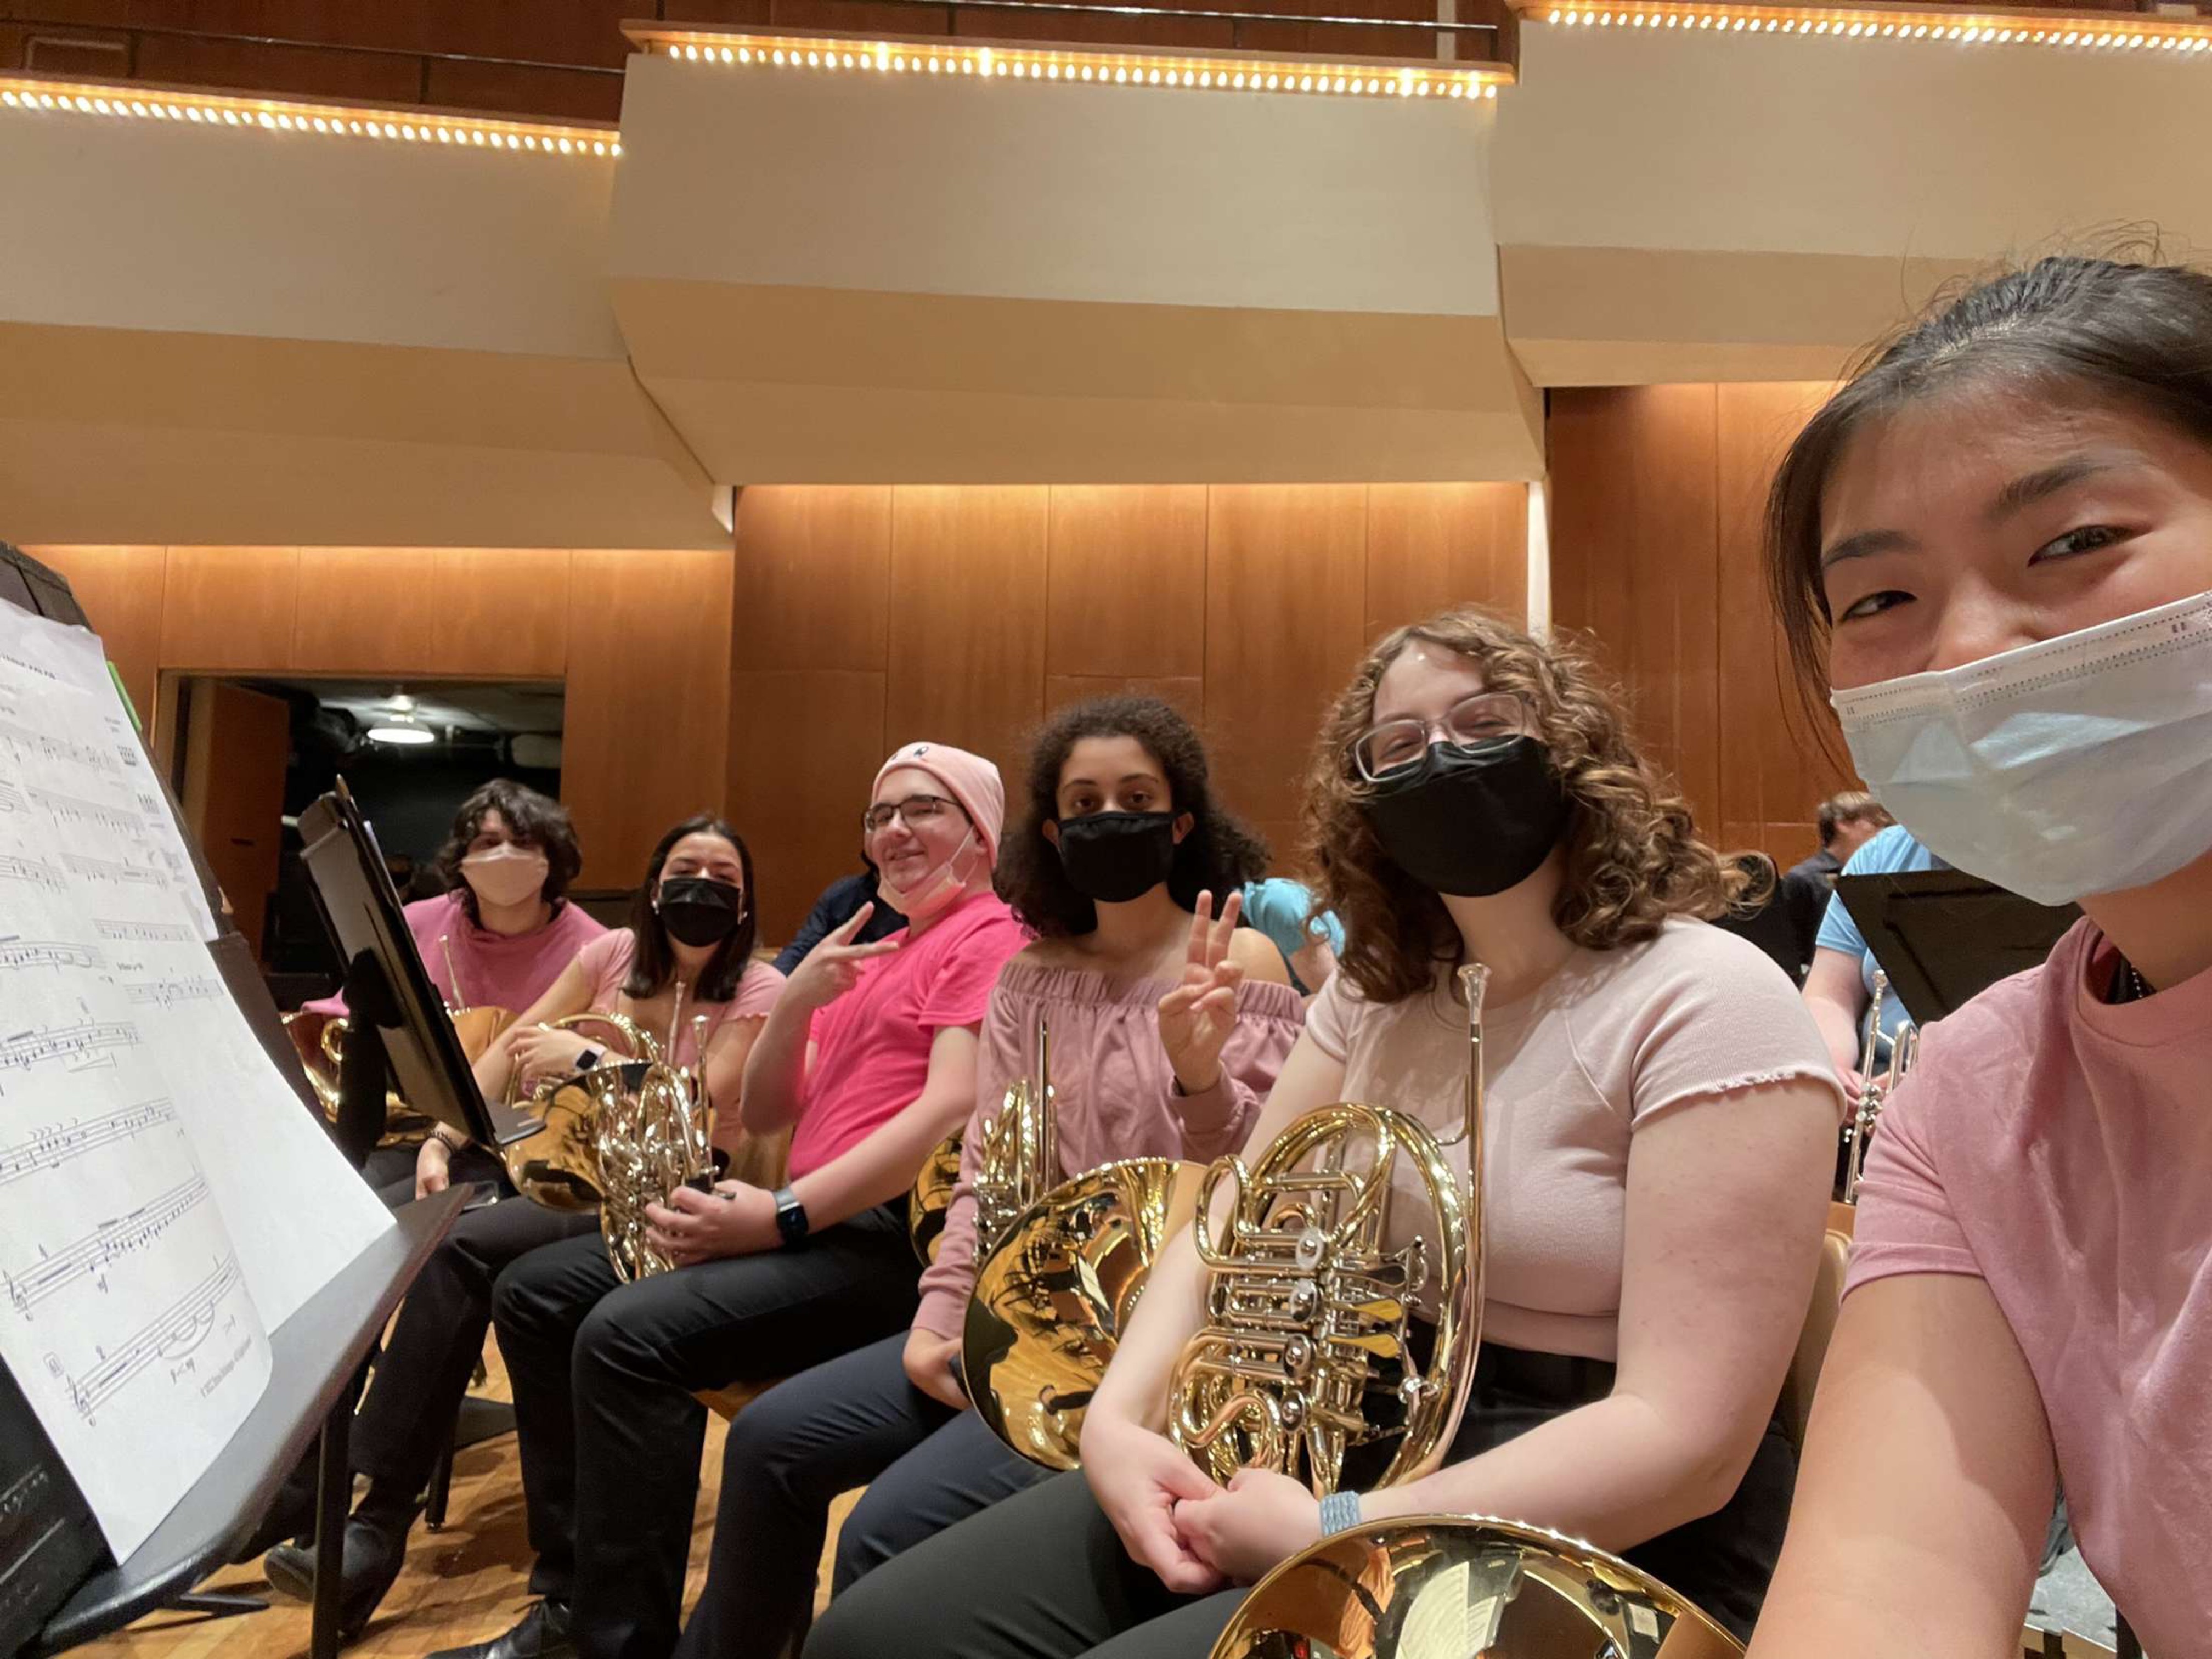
(26,743)
(16,952)
(91,1256)
(11,798)
(168,993)
(174,1332)
(68,809)
(146,933)
(85,1041)
(112,870)
(57,1144)
(32,871)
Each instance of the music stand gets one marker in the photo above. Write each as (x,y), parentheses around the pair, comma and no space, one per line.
(388,991)
(1943,937)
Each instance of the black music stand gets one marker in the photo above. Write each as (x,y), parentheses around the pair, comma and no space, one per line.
(314,1356)
(1943,937)
(394,1012)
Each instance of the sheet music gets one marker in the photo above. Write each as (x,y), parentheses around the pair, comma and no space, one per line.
(165,1201)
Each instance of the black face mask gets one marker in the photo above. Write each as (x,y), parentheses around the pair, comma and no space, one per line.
(700,910)
(1472,822)
(1113,857)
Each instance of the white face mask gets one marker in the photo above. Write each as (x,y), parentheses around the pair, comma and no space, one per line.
(937,889)
(2079,765)
(506,874)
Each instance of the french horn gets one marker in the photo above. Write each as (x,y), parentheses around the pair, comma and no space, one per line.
(1309,1351)
(1060,1264)
(1462,1586)
(319,1040)
(655,1133)
(557,1164)
(930,1200)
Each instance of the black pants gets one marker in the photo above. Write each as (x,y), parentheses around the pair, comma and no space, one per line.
(612,1436)
(854,1421)
(1043,1576)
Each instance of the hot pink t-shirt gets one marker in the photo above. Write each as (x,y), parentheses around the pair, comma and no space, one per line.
(871,1045)
(2059,1149)
(497,970)
(606,965)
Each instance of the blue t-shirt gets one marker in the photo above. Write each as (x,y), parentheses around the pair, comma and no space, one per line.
(1279,908)
(1888,851)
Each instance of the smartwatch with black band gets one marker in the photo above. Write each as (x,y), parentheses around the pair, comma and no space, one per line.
(790,1217)
(587,1058)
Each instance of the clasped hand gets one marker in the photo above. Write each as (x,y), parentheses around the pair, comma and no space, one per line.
(1196,1536)
(543,1051)
(734,1220)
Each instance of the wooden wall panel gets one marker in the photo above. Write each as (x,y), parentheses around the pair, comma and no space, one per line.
(1656,493)
(1286,598)
(1128,581)
(1762,716)
(645,730)
(120,590)
(813,577)
(229,607)
(968,617)
(805,744)
(365,609)
(1431,547)
(501,612)
(1184,693)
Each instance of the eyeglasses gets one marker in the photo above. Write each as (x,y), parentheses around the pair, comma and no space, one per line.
(1395,746)
(914,811)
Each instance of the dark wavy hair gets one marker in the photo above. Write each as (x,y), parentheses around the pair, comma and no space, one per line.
(2135,336)
(655,962)
(538,822)
(1633,855)
(1218,855)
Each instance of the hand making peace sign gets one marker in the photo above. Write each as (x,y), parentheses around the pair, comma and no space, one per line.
(1198,1015)
(832,967)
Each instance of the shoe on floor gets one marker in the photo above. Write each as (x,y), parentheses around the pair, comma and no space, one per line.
(541,1633)
(368,1564)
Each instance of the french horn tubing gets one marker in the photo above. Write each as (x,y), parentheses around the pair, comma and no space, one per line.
(1056,1283)
(654,1134)
(1465,1587)
(1310,1351)
(1858,1134)
(558,1165)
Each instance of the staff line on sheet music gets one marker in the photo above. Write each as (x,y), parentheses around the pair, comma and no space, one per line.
(145,931)
(16,952)
(31,869)
(52,748)
(93,1253)
(166,993)
(179,1328)
(24,1049)
(55,1145)
(74,809)
(109,869)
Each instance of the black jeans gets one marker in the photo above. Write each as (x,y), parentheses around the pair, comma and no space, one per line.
(854,1421)
(1043,1576)
(604,1374)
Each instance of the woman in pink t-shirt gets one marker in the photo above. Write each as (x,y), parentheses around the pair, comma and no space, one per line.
(1660,1135)
(1995,546)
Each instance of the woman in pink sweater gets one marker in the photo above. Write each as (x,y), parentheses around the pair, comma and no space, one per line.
(1995,546)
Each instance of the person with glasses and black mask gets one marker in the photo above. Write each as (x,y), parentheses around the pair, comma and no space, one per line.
(869,1057)
(1168,1026)
(1659,1125)
(690,925)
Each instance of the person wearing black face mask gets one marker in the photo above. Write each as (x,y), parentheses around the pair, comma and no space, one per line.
(1476,796)
(1168,1025)
(690,925)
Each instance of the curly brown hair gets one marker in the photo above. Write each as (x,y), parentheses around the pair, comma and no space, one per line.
(1633,855)
(1218,855)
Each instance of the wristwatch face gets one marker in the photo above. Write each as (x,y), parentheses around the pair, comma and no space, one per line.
(790,1217)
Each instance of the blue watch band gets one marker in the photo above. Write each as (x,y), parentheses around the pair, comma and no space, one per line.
(1339,1511)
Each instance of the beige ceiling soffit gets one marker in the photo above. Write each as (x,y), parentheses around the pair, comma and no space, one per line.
(1610,316)
(668,442)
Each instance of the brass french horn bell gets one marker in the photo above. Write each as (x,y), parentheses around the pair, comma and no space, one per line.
(1466,1587)
(654,1133)
(558,1163)
(1060,1267)
(1309,1351)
